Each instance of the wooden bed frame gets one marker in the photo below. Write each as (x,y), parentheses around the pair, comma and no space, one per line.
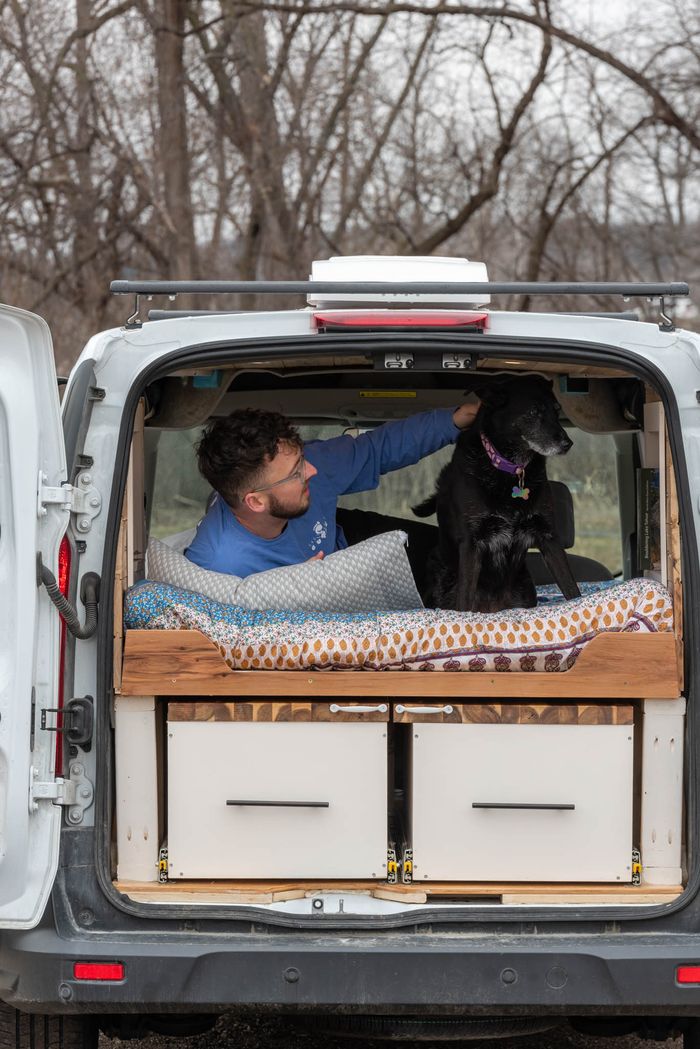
(612,666)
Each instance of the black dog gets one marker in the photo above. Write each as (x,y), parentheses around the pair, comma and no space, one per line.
(494,503)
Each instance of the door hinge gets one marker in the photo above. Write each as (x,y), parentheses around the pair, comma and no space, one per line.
(76,792)
(81,499)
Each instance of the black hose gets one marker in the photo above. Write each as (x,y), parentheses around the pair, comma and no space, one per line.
(90,594)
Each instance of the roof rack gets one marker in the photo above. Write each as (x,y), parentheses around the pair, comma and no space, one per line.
(172,288)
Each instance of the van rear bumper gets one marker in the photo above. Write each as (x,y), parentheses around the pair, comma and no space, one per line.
(321,972)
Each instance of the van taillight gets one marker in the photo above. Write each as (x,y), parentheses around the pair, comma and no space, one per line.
(688,974)
(64,560)
(401,320)
(98,971)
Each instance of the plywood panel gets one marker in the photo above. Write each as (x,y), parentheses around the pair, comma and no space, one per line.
(265,892)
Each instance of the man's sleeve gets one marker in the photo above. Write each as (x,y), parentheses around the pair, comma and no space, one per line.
(355,464)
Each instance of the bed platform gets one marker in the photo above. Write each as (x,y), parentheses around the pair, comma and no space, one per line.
(612,666)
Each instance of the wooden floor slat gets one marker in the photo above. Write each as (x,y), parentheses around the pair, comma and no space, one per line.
(513,893)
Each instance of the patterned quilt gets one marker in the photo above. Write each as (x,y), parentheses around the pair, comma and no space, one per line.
(549,637)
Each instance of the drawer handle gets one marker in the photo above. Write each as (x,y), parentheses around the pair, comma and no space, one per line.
(401,709)
(516,805)
(285,804)
(358,709)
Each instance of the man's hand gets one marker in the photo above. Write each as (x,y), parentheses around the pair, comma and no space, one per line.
(464,415)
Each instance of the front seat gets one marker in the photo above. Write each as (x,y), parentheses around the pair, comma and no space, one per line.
(585,569)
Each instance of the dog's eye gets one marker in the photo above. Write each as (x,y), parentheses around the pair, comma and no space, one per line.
(533,411)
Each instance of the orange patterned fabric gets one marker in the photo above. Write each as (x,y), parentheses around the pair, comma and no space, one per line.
(546,638)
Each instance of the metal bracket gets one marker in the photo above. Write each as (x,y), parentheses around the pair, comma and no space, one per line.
(666,321)
(394,361)
(459,361)
(81,499)
(407,866)
(76,792)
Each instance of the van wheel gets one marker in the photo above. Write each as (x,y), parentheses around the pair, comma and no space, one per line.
(40,1031)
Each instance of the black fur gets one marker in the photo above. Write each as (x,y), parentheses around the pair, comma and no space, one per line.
(485,533)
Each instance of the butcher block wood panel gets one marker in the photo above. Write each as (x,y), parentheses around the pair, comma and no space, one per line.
(516,714)
(263,710)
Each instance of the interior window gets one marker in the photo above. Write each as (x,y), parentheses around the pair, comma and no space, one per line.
(180,493)
(589,470)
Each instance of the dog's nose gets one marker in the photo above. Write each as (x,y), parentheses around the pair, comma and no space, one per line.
(566,443)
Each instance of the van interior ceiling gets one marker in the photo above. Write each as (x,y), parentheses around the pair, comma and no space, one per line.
(323,783)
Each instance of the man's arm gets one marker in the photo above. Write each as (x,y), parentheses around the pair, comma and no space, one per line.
(355,464)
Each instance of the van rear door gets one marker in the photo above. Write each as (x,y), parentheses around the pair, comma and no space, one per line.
(32,455)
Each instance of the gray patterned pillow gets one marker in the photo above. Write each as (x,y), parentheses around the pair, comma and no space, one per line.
(373,575)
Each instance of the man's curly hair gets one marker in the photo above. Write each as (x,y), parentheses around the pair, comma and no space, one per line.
(233,452)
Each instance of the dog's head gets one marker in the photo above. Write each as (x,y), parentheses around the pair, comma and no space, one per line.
(523,412)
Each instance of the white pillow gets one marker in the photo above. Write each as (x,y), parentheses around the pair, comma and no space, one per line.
(373,575)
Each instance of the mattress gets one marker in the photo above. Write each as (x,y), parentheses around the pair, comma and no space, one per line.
(549,637)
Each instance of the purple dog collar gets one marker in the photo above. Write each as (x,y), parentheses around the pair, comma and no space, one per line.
(501,463)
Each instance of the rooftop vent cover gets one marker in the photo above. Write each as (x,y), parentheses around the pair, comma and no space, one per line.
(384,269)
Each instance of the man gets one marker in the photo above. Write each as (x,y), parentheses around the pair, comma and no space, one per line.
(277,497)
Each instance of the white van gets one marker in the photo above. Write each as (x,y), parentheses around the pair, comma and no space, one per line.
(217,804)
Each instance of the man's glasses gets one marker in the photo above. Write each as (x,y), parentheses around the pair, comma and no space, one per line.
(297,474)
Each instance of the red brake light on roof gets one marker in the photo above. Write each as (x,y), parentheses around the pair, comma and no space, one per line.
(688,974)
(401,320)
(98,971)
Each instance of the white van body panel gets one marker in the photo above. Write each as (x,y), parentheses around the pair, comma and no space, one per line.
(31,446)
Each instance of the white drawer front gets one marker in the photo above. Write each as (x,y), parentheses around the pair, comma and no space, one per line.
(458,767)
(342,766)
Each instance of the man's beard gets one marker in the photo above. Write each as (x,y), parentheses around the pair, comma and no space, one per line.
(283,513)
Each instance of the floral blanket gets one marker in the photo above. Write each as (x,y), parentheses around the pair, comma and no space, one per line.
(549,637)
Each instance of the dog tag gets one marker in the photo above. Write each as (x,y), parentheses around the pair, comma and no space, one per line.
(520,493)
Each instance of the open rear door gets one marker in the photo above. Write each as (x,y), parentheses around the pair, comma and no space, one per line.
(31,453)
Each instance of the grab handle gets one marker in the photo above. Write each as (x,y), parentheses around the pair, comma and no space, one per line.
(517,805)
(401,709)
(381,708)
(285,804)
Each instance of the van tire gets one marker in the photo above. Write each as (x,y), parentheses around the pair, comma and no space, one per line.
(41,1031)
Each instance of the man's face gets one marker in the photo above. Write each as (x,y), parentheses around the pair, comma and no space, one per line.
(285,488)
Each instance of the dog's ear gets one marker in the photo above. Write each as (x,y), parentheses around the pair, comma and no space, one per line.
(491,394)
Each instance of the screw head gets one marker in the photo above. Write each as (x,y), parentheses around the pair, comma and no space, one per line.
(83,526)
(75,816)
(86,479)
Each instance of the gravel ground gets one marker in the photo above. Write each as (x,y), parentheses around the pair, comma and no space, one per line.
(256,1033)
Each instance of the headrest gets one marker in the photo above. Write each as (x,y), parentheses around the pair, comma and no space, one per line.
(563,505)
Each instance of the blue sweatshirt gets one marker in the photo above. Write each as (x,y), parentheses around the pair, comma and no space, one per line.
(345,464)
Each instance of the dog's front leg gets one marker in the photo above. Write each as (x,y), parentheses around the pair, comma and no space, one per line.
(467,575)
(557,562)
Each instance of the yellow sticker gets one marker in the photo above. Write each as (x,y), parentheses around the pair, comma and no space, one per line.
(388,393)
